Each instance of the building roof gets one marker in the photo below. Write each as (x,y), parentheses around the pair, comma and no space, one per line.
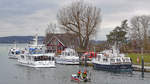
(65,39)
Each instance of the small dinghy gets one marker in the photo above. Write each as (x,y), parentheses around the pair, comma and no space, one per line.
(76,78)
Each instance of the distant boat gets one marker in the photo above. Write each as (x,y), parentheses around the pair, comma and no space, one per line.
(14,52)
(35,56)
(112,60)
(68,56)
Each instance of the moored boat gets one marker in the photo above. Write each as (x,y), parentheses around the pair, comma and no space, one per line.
(68,56)
(37,60)
(112,60)
(35,56)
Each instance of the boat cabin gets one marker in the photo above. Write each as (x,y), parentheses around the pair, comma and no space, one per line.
(39,57)
(69,52)
(109,59)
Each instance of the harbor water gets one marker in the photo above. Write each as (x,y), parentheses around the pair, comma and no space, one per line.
(13,73)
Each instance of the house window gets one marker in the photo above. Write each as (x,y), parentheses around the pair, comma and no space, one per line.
(57,43)
(53,48)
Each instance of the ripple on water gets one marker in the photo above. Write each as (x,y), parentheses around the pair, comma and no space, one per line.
(12,73)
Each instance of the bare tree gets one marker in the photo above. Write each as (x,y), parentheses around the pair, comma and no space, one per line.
(81,19)
(50,31)
(139,29)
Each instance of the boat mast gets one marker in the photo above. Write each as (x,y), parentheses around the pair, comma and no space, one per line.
(35,40)
(114,48)
(15,45)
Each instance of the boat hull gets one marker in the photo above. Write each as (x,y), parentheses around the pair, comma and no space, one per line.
(37,66)
(51,65)
(78,79)
(13,56)
(115,67)
(67,62)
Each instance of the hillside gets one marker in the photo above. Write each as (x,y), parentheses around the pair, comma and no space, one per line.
(18,39)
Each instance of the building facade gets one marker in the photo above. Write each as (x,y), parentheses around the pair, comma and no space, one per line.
(58,42)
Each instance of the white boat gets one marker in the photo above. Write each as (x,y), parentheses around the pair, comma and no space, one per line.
(14,52)
(112,60)
(35,56)
(68,56)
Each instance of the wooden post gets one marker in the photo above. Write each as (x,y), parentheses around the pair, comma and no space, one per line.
(85,60)
(94,51)
(80,60)
(142,63)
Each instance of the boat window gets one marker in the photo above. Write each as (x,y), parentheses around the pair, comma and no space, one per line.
(43,58)
(127,60)
(73,53)
(99,57)
(112,60)
(105,60)
(22,56)
(35,51)
(35,58)
(17,52)
(12,52)
(68,54)
(118,60)
(52,58)
(29,58)
(63,53)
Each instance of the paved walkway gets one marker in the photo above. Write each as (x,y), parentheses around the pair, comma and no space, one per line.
(138,68)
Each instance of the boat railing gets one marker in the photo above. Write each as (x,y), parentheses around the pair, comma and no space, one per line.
(43,58)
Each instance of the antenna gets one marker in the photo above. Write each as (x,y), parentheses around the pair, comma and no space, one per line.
(36,38)
(37,29)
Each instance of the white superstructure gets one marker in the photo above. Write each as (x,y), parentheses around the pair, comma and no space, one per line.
(35,56)
(68,56)
(14,52)
(112,60)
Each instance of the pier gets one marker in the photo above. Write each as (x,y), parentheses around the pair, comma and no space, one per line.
(139,68)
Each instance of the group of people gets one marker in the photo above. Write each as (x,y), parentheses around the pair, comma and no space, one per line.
(82,74)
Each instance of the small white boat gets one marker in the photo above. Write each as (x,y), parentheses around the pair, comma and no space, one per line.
(68,56)
(112,60)
(35,56)
(14,52)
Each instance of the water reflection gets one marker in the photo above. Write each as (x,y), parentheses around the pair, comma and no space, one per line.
(12,73)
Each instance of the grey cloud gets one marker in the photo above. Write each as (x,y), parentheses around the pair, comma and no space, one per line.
(10,8)
(19,16)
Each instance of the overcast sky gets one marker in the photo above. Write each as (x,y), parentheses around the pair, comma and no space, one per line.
(25,17)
